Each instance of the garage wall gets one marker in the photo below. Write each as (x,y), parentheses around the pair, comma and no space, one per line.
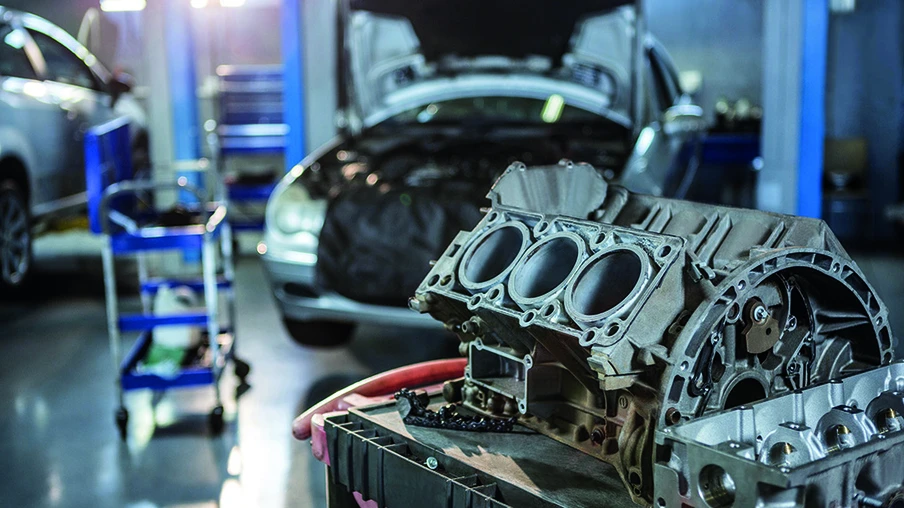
(864,95)
(722,40)
(319,20)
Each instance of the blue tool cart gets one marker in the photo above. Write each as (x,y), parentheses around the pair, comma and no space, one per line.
(250,124)
(119,209)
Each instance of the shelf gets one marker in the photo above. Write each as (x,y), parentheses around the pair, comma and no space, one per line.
(160,238)
(196,374)
(144,322)
(195,284)
(239,192)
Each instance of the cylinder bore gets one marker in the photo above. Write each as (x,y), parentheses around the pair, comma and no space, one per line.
(545,268)
(745,391)
(492,254)
(606,282)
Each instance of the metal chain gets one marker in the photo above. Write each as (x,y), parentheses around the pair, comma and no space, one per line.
(412,407)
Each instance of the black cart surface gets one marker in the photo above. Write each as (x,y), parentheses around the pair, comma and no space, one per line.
(374,453)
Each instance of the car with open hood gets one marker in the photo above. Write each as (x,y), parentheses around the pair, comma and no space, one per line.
(437,99)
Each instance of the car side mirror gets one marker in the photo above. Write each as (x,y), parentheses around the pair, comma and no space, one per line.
(683,119)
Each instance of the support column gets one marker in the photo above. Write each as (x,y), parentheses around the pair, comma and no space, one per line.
(180,56)
(293,81)
(795,35)
(173,104)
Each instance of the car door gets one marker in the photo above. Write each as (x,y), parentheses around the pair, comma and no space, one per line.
(31,121)
(665,154)
(78,92)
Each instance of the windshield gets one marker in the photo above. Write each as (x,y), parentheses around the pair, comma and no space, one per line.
(508,110)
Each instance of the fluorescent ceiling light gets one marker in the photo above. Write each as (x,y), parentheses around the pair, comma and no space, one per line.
(199,4)
(122,5)
(232,3)
(552,110)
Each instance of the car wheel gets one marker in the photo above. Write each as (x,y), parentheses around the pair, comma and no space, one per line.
(15,237)
(320,333)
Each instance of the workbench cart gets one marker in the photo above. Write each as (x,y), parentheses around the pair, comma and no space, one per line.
(130,229)
(250,124)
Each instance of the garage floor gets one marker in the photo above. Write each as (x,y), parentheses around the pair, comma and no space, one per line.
(58,443)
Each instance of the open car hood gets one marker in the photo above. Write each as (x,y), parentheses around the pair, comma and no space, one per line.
(399,54)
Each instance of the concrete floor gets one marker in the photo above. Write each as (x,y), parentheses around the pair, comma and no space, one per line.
(58,442)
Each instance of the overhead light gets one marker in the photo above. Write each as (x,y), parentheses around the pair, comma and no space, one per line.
(199,4)
(122,5)
(232,3)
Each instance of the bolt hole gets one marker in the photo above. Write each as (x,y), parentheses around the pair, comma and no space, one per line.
(741,285)
(445,280)
(734,311)
(768,331)
(612,329)
(717,487)
(836,267)
(665,251)
(494,294)
(600,238)
(433,280)
(660,502)
(475,300)
(634,478)
(588,338)
(541,227)
(673,416)
(683,366)
(548,310)
(597,436)
(493,216)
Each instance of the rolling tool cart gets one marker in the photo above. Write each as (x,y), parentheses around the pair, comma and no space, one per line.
(250,112)
(115,211)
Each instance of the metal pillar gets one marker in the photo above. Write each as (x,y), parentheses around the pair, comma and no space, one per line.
(795,35)
(293,81)
(180,58)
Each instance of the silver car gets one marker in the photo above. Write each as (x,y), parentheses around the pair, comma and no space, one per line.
(437,102)
(51,91)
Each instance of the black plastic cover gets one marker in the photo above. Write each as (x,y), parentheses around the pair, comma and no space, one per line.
(375,246)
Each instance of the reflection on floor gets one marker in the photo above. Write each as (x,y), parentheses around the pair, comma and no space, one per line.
(58,443)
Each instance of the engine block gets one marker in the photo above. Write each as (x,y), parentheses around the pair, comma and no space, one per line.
(598,316)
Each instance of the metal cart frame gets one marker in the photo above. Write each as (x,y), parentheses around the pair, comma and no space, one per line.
(111,199)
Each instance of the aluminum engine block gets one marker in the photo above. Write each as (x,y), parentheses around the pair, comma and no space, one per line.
(837,443)
(598,316)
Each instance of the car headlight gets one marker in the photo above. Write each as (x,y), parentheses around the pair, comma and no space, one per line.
(294,211)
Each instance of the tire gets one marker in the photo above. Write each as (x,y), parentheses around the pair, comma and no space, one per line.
(320,333)
(16,258)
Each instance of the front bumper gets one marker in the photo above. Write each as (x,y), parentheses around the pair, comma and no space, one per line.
(298,297)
